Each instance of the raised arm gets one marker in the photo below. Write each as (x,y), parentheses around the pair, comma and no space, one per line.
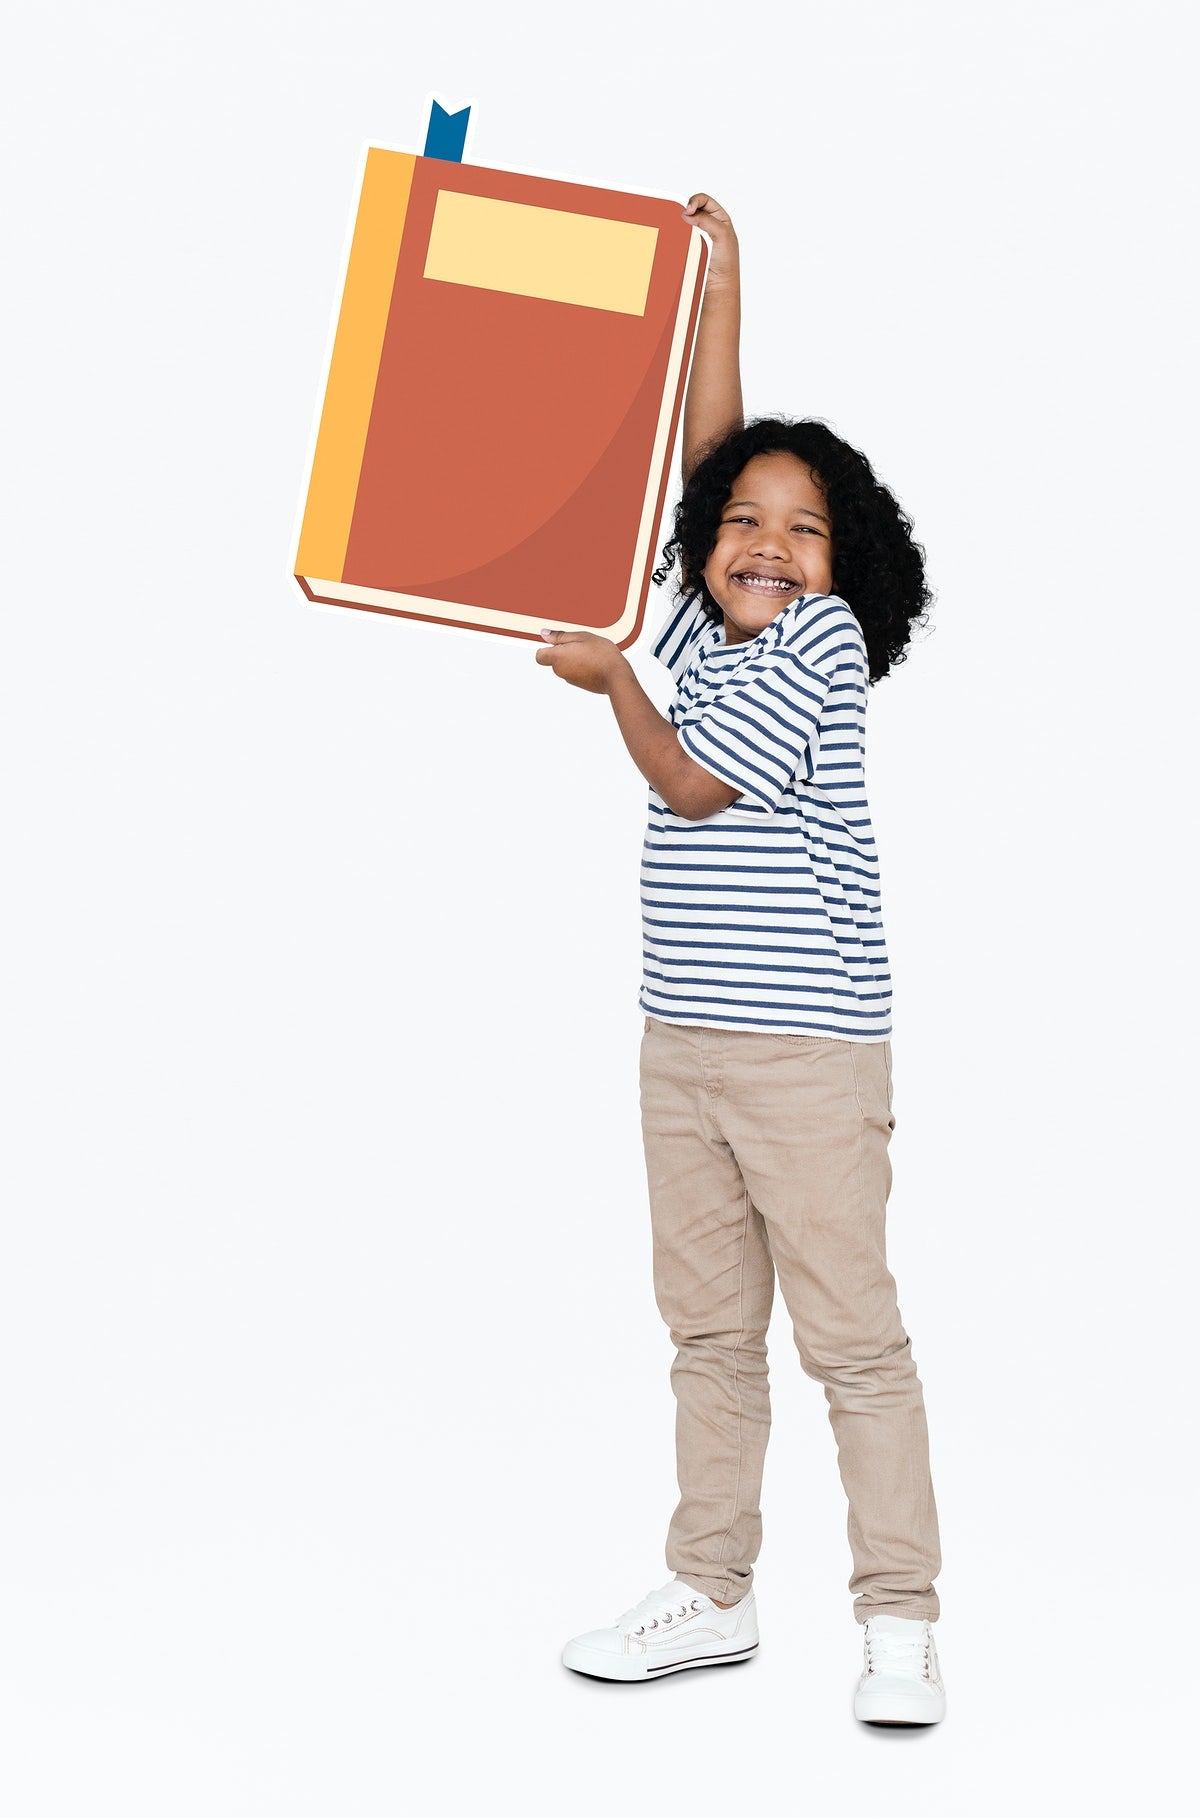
(713,404)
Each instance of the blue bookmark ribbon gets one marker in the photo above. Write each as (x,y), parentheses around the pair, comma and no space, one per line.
(446,134)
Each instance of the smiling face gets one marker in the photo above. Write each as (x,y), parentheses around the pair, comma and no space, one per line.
(775,530)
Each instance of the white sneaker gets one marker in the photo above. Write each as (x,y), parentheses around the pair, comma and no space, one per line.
(901,1680)
(671,1628)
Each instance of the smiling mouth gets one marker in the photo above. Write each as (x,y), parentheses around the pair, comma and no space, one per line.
(768,588)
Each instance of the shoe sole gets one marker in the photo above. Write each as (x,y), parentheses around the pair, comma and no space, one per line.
(631,1668)
(898,1713)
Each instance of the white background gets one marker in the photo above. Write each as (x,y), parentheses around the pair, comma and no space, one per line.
(335,1397)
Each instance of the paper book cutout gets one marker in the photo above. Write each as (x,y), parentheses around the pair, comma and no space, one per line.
(502,395)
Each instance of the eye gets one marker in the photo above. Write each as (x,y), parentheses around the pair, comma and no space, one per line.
(811,528)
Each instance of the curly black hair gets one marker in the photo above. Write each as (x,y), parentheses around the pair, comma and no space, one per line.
(878,567)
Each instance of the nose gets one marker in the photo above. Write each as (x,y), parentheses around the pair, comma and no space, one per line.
(768,544)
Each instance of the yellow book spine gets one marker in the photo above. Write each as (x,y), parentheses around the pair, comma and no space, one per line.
(354,363)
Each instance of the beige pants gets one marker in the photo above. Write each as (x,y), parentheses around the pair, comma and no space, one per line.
(768,1154)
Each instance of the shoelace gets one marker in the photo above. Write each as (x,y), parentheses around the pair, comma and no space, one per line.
(910,1651)
(660,1608)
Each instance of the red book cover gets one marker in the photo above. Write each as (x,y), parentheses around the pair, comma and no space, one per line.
(502,397)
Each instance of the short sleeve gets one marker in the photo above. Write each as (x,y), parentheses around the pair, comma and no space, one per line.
(755,735)
(679,639)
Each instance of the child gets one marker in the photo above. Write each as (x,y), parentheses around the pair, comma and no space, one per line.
(766,1075)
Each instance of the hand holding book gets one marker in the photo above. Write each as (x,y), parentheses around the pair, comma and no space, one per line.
(706,213)
(580,657)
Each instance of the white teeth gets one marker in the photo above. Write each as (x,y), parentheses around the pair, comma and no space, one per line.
(762,580)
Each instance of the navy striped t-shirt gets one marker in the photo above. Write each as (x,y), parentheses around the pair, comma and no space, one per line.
(767,915)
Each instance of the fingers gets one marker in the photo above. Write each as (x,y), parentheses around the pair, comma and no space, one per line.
(707,206)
